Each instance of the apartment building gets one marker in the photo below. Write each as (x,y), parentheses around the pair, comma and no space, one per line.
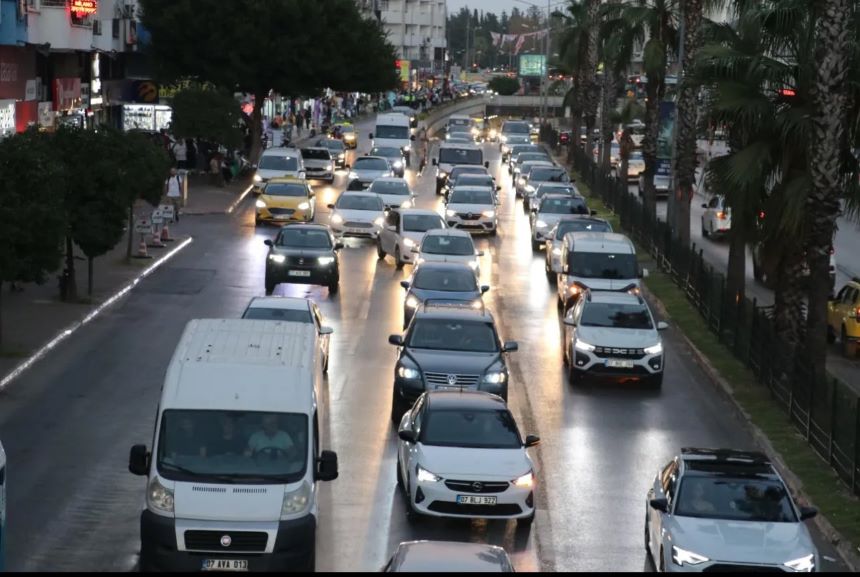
(416,28)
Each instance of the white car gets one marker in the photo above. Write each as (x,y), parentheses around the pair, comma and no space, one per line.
(717,218)
(403,230)
(460,454)
(366,169)
(359,214)
(553,208)
(319,163)
(725,511)
(555,239)
(292,309)
(472,208)
(278,163)
(393,191)
(635,165)
(449,246)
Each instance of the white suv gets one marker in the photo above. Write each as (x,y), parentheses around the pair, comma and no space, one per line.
(449,245)
(472,208)
(613,334)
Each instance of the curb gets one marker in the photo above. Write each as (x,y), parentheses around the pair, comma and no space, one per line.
(71,329)
(849,557)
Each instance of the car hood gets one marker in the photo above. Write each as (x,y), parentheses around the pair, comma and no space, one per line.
(474,464)
(393,199)
(289,251)
(464,363)
(283,201)
(445,296)
(350,214)
(618,338)
(365,174)
(317,162)
(470,208)
(550,219)
(741,541)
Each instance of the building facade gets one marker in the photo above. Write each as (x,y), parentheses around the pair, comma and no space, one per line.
(416,29)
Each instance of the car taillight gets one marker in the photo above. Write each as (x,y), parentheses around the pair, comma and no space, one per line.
(857,314)
(721,215)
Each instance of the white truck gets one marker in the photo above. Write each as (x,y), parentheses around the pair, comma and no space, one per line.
(393,129)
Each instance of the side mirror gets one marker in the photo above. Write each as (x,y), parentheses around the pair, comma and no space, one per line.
(395,340)
(662,326)
(412,138)
(338,245)
(485,289)
(331,206)
(268,242)
(644,273)
(326,466)
(704,205)
(486,164)
(405,284)
(511,347)
(347,167)
(326,330)
(569,322)
(138,460)
(498,187)
(659,505)
(808,513)
(479,253)
(302,174)
(407,435)
(433,162)
(531,441)
(370,136)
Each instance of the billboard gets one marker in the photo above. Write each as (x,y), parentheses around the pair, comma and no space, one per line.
(532,65)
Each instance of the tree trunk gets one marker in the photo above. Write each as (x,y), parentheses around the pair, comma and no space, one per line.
(737,270)
(71,281)
(1,314)
(576,113)
(257,127)
(130,239)
(649,145)
(830,98)
(89,276)
(591,90)
(609,87)
(687,114)
(788,297)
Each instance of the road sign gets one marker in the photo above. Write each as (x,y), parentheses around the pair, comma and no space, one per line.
(167,212)
(143,225)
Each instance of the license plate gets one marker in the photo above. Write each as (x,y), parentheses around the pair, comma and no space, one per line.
(475,500)
(619,364)
(225,565)
(299,273)
(282,216)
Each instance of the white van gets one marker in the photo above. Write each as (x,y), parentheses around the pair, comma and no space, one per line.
(450,155)
(460,123)
(278,163)
(392,129)
(232,476)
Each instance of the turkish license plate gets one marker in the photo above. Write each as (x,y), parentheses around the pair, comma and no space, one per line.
(225,565)
(619,364)
(283,216)
(304,273)
(475,500)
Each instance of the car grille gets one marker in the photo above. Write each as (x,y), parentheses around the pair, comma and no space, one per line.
(729,568)
(469,215)
(450,508)
(211,541)
(302,261)
(441,379)
(477,486)
(287,211)
(616,353)
(358,225)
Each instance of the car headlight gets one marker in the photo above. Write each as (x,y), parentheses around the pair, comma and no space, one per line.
(556,252)
(450,212)
(495,378)
(655,350)
(473,264)
(503,138)
(353,175)
(336,219)
(409,243)
(682,556)
(489,213)
(408,373)
(329,167)
(260,204)
(412,303)
(583,346)
(802,565)
(159,497)
(304,206)
(406,204)
(505,149)
(475,131)
(341,156)
(478,304)
(425,476)
(297,500)
(379,222)
(443,174)
(258,178)
(278,258)
(522,181)
(493,133)
(325,260)
(398,164)
(525,481)
(406,148)
(540,224)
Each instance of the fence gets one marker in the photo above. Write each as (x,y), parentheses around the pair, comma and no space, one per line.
(828,416)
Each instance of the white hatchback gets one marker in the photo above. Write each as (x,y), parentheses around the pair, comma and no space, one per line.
(358,214)
(460,454)
(394,192)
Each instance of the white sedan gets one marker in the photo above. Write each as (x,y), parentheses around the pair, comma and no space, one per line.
(358,214)
(460,454)
(394,192)
(472,208)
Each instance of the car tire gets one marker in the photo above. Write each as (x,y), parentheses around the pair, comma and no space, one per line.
(334,285)
(705,232)
(270,286)
(397,260)
(257,222)
(380,254)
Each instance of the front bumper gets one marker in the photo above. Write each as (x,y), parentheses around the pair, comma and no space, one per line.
(320,174)
(283,215)
(346,230)
(482,224)
(436,499)
(598,365)
(293,548)
(350,143)
(320,275)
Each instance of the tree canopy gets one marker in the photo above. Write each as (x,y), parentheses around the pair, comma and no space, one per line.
(207,113)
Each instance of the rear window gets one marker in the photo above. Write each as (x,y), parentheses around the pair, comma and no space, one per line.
(422,222)
(584,225)
(460,196)
(370,164)
(603,265)
(515,128)
(283,163)
(284,189)
(548,175)
(313,154)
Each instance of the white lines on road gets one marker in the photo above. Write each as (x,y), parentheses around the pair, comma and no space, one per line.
(63,335)
(239,200)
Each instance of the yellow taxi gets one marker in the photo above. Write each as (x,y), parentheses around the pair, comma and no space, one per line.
(350,135)
(843,318)
(284,200)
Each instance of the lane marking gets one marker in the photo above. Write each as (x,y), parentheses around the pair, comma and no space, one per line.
(63,335)
(239,200)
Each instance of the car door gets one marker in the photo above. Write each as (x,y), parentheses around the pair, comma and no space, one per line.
(846,305)
(389,232)
(407,449)
(665,487)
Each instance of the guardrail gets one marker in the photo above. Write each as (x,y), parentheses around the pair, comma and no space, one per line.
(439,114)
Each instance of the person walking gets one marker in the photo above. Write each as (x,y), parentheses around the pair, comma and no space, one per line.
(173,192)
(180,153)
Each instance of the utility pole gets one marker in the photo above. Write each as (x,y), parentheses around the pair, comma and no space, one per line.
(468,26)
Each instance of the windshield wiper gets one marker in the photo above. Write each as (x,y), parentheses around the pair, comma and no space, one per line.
(198,474)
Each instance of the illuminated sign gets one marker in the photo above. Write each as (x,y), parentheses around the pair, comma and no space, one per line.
(532,64)
(403,67)
(82,8)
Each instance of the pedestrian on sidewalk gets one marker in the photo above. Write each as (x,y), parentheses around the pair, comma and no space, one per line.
(180,153)
(173,191)
(215,174)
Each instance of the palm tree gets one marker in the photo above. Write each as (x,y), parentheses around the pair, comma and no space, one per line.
(572,51)
(590,90)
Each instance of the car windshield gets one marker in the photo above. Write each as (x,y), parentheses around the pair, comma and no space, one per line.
(540,174)
(567,205)
(553,188)
(445,280)
(332,144)
(617,316)
(387,152)
(315,154)
(304,238)
(521,148)
(453,335)
(581,225)
(356,202)
(275,314)
(394,132)
(283,163)
(603,265)
(422,222)
(232,446)
(371,164)
(286,189)
(515,128)
(456,245)
(474,180)
(736,499)
(462,196)
(460,156)
(530,156)
(472,429)
(390,187)
(452,122)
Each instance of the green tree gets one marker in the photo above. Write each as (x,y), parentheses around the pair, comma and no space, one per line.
(572,51)
(504,85)
(294,47)
(31,211)
(208,113)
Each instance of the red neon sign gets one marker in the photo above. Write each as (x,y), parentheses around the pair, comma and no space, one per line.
(84,7)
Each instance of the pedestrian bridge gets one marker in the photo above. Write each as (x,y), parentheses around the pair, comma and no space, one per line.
(522,105)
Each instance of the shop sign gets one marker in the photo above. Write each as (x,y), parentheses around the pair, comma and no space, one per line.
(67,93)
(46,114)
(31,91)
(81,8)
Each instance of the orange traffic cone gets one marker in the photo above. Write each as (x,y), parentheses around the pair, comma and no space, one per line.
(141,248)
(156,242)
(165,234)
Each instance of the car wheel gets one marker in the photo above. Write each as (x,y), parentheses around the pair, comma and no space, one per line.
(705,232)
(397,259)
(270,286)
(525,522)
(379,252)
(257,221)
(525,206)
(334,285)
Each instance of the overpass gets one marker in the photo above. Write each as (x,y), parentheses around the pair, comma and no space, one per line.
(522,105)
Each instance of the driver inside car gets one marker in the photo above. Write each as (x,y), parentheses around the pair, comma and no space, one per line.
(270,439)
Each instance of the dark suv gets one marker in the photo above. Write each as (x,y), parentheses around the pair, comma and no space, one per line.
(448,348)
(304,254)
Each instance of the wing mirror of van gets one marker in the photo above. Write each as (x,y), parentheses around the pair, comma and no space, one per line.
(532,441)
(479,253)
(395,340)
(407,435)
(486,164)
(511,347)
(268,242)
(326,466)
(659,505)
(370,136)
(302,174)
(405,284)
(434,163)
(662,326)
(138,460)
(338,245)
(485,289)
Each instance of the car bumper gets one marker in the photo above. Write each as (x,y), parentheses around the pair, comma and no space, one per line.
(293,548)
(555,263)
(435,499)
(316,275)
(592,365)
(321,175)
(482,225)
(344,231)
(265,215)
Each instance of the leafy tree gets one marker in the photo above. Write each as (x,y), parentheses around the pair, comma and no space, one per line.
(572,50)
(31,210)
(504,85)
(294,47)
(208,113)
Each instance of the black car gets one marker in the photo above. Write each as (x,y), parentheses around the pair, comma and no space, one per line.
(459,171)
(337,148)
(447,348)
(441,282)
(304,254)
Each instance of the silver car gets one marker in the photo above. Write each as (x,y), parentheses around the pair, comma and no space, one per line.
(319,163)
(448,557)
(723,510)
(368,168)
(554,207)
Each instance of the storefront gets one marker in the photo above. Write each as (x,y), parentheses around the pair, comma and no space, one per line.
(149,117)
(68,103)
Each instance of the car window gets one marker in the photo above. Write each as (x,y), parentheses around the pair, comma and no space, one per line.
(355,202)
(388,152)
(468,428)
(850,296)
(422,222)
(667,477)
(304,238)
(370,164)
(283,163)
(275,314)
(390,187)
(568,205)
(619,316)
(531,156)
(539,174)
(455,245)
(460,171)
(603,265)
(453,335)
(286,189)
(445,280)
(475,180)
(737,499)
(460,156)
(460,196)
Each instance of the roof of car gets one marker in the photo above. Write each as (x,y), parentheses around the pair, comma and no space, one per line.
(358,193)
(615,298)
(727,462)
(471,188)
(464,145)
(447,232)
(600,241)
(277,302)
(476,400)
(282,152)
(471,168)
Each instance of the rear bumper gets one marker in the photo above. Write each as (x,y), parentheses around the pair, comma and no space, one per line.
(320,276)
